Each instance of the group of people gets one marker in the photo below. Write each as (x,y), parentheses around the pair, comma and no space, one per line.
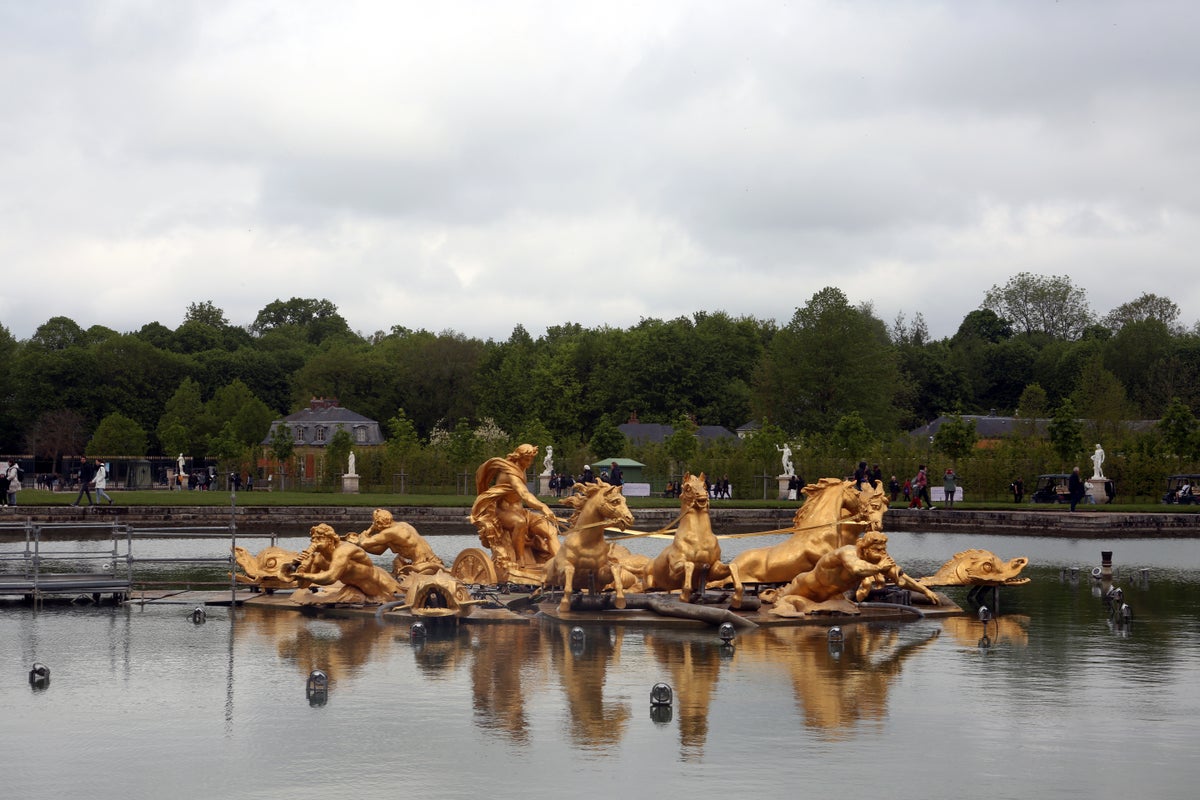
(92,475)
(715,489)
(916,489)
(561,484)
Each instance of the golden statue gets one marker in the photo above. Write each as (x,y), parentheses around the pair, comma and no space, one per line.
(328,560)
(823,587)
(978,568)
(413,553)
(521,540)
(694,557)
(268,569)
(584,553)
(833,515)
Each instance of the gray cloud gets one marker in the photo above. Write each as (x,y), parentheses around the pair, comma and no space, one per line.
(472,165)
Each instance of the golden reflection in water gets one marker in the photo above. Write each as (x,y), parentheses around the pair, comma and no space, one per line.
(694,663)
(339,647)
(582,667)
(836,688)
(500,676)
(1010,629)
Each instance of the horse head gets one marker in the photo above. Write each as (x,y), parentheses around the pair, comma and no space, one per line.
(693,496)
(598,501)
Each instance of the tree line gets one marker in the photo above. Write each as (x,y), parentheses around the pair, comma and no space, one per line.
(836,380)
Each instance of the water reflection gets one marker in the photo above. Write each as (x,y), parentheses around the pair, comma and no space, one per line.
(219,709)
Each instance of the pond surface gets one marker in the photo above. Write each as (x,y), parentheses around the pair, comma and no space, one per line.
(142,702)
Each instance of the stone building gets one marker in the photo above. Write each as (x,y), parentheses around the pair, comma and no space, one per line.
(312,429)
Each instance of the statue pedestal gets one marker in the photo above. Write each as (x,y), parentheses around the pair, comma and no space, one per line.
(784,480)
(544,485)
(349,484)
(1095,489)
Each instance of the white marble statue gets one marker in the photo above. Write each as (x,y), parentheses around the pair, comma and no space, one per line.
(788,469)
(179,464)
(548,461)
(1097,463)
(351,465)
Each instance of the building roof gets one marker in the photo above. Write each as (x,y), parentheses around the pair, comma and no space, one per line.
(990,426)
(314,426)
(654,433)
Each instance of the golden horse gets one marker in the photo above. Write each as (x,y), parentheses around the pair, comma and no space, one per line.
(694,557)
(583,551)
(833,515)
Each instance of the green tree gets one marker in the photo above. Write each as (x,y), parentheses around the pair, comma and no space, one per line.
(607,441)
(682,445)
(1179,429)
(117,435)
(206,313)
(1146,307)
(313,320)
(403,441)
(181,428)
(337,455)
(830,360)
(281,449)
(956,438)
(1066,432)
(1047,304)
(851,436)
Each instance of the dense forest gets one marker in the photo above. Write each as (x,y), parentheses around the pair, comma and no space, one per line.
(835,379)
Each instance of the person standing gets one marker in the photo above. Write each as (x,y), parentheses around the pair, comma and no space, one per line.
(950,486)
(86,473)
(1018,489)
(100,479)
(893,488)
(861,475)
(1075,488)
(615,477)
(13,476)
(4,481)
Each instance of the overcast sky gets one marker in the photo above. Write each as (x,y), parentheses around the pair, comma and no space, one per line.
(469,166)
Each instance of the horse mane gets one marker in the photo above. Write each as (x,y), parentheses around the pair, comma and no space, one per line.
(822,489)
(581,493)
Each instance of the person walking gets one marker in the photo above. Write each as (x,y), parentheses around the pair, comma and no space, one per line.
(100,479)
(950,486)
(922,487)
(85,482)
(1075,489)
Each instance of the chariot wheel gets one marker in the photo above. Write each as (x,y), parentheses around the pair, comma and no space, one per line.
(474,566)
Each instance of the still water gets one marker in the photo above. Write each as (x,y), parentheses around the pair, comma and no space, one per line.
(144,703)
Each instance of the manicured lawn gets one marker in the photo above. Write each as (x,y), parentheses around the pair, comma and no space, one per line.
(37,497)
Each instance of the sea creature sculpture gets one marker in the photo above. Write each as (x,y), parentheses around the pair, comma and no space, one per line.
(978,568)
(269,568)
(833,515)
(437,595)
(584,553)
(694,556)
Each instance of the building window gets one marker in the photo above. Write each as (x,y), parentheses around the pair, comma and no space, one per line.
(299,433)
(360,434)
(320,433)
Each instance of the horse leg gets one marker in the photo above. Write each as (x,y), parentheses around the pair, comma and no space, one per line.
(568,581)
(619,583)
(685,590)
(738,589)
